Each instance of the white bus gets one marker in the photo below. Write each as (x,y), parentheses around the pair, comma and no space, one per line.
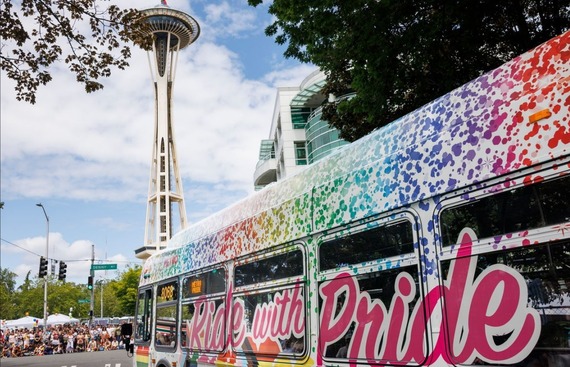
(441,239)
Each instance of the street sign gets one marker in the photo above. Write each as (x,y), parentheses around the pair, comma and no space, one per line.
(103,266)
(84,301)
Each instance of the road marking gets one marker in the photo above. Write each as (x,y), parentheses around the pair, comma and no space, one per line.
(107,365)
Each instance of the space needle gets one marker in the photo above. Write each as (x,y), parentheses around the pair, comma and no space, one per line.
(171,31)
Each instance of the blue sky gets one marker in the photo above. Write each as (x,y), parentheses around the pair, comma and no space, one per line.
(86,157)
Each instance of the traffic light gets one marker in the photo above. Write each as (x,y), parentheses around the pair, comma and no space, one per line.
(43,267)
(90,283)
(62,270)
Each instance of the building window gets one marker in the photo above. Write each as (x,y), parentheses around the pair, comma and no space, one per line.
(267,150)
(299,117)
(300,153)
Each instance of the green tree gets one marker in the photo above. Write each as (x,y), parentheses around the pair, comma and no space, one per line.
(8,307)
(89,39)
(27,284)
(62,297)
(125,290)
(399,55)
(30,297)
(107,299)
(119,296)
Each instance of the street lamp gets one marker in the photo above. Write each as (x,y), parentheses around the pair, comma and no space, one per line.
(45,278)
(100,282)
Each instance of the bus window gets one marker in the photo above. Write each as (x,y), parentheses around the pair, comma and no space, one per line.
(203,311)
(286,265)
(203,324)
(546,271)
(365,306)
(211,282)
(143,316)
(527,207)
(166,328)
(281,333)
(271,321)
(381,242)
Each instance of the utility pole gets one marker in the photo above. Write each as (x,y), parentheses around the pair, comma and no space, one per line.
(101,298)
(91,274)
(46,277)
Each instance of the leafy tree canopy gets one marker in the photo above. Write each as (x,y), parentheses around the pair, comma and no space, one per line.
(398,55)
(117,297)
(89,39)
(7,290)
(125,290)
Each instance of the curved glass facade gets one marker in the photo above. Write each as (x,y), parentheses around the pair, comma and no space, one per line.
(322,139)
(298,135)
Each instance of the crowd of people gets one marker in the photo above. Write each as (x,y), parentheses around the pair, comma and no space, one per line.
(58,339)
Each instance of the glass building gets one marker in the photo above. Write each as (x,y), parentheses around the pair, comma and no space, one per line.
(298,136)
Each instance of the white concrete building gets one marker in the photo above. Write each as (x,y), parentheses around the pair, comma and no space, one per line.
(297,136)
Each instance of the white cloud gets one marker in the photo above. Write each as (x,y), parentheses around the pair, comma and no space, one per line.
(97,147)
(225,20)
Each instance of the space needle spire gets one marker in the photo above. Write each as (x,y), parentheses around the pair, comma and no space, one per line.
(171,31)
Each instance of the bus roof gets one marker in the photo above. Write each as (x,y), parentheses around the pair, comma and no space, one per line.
(509,118)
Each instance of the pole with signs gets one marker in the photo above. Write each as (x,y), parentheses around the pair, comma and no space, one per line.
(103,267)
(92,281)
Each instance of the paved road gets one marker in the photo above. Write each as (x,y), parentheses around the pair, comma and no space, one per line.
(111,358)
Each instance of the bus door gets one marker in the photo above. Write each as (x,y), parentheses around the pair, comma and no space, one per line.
(165,341)
(143,326)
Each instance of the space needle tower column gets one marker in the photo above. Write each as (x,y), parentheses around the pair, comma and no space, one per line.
(171,31)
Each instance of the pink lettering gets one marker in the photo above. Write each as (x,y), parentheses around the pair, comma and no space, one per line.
(207,326)
(493,310)
(296,312)
(398,316)
(485,317)
(370,317)
(281,324)
(281,318)
(217,341)
(260,324)
(197,325)
(238,325)
(335,323)
(493,304)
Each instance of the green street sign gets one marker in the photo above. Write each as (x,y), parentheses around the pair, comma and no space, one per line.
(103,266)
(84,301)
